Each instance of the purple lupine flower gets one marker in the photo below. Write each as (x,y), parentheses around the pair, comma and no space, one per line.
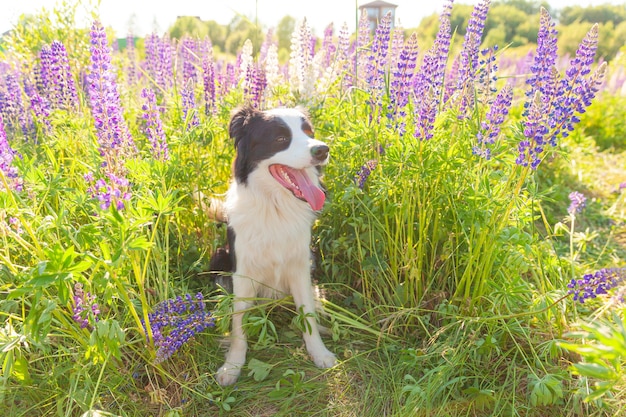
(63,94)
(165,63)
(401,79)
(245,61)
(189,58)
(39,105)
(490,128)
(468,65)
(377,63)
(190,110)
(577,89)
(530,150)
(362,43)
(112,193)
(174,322)
(347,62)
(16,108)
(595,284)
(487,73)
(450,81)
(428,82)
(55,76)
(328,47)
(6,161)
(159,52)
(44,71)
(364,172)
(577,202)
(15,225)
(396,46)
(230,80)
(85,310)
(552,110)
(542,75)
(543,83)
(208,80)
(154,127)
(113,134)
(265,46)
(254,86)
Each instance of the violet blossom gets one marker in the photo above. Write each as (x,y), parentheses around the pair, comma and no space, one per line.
(175,321)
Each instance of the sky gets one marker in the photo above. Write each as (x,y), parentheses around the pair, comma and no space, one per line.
(147,16)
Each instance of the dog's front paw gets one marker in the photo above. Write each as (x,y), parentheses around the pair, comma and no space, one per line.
(228,374)
(324,359)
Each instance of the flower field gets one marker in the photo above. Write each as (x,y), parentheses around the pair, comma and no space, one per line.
(471,253)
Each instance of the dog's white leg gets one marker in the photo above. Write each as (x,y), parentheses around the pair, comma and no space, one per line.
(236,356)
(303,297)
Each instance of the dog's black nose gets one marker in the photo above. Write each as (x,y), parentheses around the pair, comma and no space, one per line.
(320,152)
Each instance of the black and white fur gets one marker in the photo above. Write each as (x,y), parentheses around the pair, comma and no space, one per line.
(270,208)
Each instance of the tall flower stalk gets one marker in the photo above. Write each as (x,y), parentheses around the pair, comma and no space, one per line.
(400,85)
(377,66)
(301,77)
(554,105)
(428,83)
(490,128)
(468,65)
(10,176)
(116,143)
(154,127)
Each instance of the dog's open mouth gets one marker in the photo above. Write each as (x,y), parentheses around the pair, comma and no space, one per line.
(298,182)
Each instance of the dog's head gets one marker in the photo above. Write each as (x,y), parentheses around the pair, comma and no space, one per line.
(279,143)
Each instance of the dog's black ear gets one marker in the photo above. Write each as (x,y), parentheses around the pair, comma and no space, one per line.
(239,122)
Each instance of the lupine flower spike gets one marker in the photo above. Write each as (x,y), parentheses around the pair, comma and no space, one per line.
(490,128)
(599,283)
(364,173)
(174,322)
(154,127)
(468,66)
(429,80)
(577,202)
(401,78)
(85,310)
(6,162)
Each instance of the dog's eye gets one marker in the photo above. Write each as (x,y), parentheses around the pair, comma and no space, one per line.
(308,132)
(281,139)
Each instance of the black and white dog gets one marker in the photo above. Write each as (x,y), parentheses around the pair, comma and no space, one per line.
(270,208)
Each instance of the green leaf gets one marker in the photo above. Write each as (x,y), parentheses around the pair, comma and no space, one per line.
(259,370)
(20,370)
(139,243)
(595,370)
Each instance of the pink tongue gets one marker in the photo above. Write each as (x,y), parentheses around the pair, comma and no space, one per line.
(305,188)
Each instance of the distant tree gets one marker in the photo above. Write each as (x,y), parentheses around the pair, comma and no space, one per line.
(506,19)
(217,34)
(570,36)
(610,38)
(188,25)
(459,17)
(240,29)
(595,14)
(527,6)
(284,31)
